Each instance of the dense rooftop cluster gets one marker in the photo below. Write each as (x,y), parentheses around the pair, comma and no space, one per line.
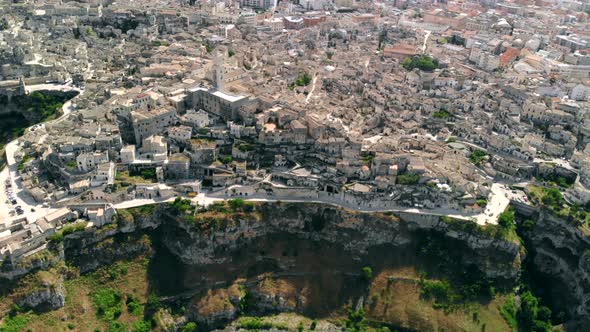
(396,105)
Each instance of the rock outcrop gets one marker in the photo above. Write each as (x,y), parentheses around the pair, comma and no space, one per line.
(47,293)
(561,257)
(357,234)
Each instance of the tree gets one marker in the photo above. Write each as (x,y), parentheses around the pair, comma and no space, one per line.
(355,321)
(531,316)
(424,63)
(367,273)
(190,327)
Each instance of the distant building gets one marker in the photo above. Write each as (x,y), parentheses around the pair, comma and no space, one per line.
(148,123)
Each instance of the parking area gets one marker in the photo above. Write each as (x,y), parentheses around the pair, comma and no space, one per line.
(11,190)
(11,207)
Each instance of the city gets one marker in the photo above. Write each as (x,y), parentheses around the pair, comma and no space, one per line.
(454,109)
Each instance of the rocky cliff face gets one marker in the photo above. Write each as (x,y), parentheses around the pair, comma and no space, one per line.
(560,255)
(356,233)
(93,248)
(312,249)
(313,254)
(49,297)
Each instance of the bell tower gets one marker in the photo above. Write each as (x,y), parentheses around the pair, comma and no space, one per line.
(218,70)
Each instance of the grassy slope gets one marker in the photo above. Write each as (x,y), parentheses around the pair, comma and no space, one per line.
(396,302)
(79,313)
(399,302)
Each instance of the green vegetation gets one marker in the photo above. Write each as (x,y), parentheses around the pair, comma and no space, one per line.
(313,325)
(408,178)
(209,48)
(230,52)
(149,174)
(482,202)
(423,62)
(508,312)
(21,164)
(180,205)
(158,43)
(226,160)
(506,219)
(15,322)
(257,323)
(142,326)
(531,316)
(368,159)
(449,297)
(28,110)
(247,66)
(442,114)
(302,80)
(47,106)
(140,211)
(189,327)
(108,304)
(238,204)
(71,165)
(553,179)
(125,179)
(355,322)
(553,200)
(477,156)
(66,230)
(490,231)
(134,307)
(367,273)
(244,147)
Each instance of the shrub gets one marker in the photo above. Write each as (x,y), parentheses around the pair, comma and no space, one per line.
(506,219)
(148,174)
(153,303)
(117,327)
(134,306)
(142,326)
(531,316)
(477,156)
(442,114)
(190,327)
(313,325)
(107,303)
(180,205)
(408,179)
(56,237)
(14,323)
(254,323)
(367,273)
(482,202)
(438,290)
(236,204)
(73,228)
(303,80)
(508,312)
(424,63)
(355,322)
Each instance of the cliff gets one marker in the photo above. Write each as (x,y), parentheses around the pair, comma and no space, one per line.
(560,257)
(286,257)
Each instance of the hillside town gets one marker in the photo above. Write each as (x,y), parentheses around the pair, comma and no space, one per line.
(442,107)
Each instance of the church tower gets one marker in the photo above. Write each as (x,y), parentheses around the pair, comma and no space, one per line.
(218,70)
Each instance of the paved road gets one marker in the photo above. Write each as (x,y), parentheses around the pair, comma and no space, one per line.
(498,203)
